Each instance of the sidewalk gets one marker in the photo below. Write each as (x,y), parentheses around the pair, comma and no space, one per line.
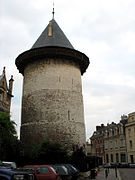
(111,174)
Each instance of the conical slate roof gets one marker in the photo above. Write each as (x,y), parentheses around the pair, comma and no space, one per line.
(52,36)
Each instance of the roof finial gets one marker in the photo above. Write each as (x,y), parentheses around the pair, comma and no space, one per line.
(53,11)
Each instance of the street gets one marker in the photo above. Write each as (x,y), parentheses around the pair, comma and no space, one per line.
(122,174)
(127,173)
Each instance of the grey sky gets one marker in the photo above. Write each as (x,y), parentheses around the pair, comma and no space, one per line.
(103,30)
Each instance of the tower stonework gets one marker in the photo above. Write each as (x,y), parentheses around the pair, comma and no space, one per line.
(52,102)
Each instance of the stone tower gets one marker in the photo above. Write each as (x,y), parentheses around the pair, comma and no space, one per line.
(52,102)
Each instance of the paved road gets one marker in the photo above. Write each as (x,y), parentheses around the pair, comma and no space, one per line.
(127,173)
(112,175)
(122,174)
(102,175)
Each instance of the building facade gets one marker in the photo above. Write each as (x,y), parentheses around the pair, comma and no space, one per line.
(115,142)
(5,92)
(97,142)
(52,102)
(109,142)
(130,137)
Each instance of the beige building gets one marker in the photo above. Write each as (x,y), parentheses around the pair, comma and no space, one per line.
(109,142)
(5,92)
(115,142)
(130,137)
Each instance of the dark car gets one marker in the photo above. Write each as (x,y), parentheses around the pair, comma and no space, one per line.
(10,174)
(62,171)
(11,165)
(72,171)
(43,172)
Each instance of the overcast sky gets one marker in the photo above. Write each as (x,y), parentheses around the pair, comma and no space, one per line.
(102,29)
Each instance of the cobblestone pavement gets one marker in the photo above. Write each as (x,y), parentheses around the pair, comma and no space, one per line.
(127,173)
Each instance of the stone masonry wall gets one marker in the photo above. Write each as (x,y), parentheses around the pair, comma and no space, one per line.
(52,106)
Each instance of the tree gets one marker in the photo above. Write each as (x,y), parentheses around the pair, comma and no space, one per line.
(49,153)
(78,158)
(9,144)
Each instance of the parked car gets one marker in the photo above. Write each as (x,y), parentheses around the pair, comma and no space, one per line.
(107,165)
(43,172)
(11,165)
(132,165)
(123,165)
(10,174)
(62,171)
(72,171)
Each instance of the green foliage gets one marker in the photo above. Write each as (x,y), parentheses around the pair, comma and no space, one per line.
(79,159)
(6,126)
(9,144)
(49,153)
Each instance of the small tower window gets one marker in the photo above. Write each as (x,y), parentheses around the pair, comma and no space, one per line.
(68,115)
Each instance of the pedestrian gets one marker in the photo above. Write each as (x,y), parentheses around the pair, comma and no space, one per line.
(116,171)
(108,169)
(106,173)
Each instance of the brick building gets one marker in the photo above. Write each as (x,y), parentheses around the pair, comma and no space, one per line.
(97,142)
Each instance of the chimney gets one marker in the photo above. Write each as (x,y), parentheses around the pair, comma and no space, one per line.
(102,125)
(98,128)
(123,117)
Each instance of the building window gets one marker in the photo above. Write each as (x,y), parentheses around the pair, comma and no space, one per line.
(130,143)
(123,157)
(117,131)
(107,134)
(107,158)
(131,158)
(129,132)
(68,115)
(112,132)
(117,157)
(122,143)
(59,79)
(111,157)
(111,145)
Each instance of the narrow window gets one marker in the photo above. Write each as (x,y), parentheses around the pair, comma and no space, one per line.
(130,142)
(68,115)
(59,79)
(111,157)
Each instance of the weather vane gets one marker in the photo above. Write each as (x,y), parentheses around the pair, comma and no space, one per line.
(53,10)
